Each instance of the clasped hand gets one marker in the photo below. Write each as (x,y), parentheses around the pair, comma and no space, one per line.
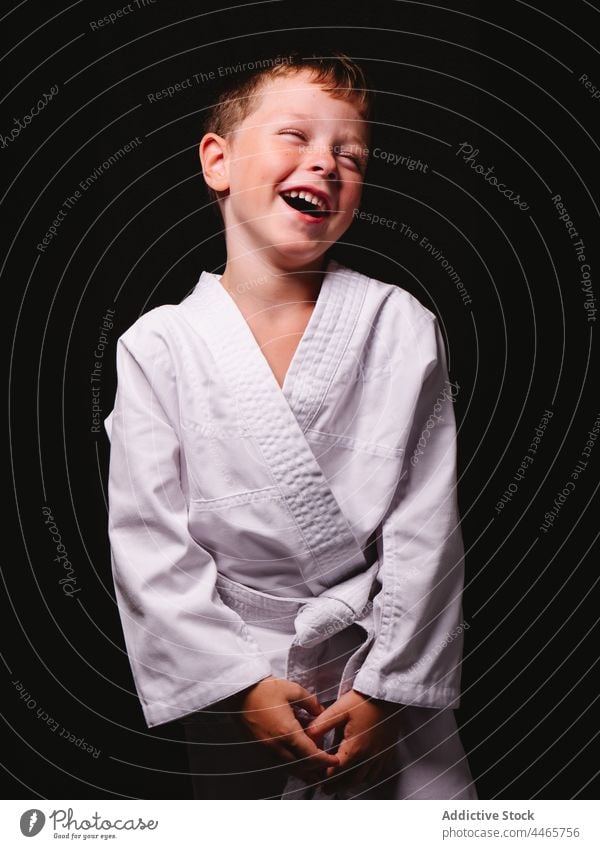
(265,709)
(371,728)
(370,731)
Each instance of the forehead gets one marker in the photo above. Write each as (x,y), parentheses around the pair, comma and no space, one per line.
(297,96)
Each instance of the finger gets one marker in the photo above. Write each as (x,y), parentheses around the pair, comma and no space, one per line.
(301,697)
(299,766)
(368,772)
(330,718)
(351,759)
(306,770)
(287,745)
(317,758)
(341,768)
(302,747)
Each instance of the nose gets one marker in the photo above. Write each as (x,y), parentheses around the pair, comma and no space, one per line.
(323,161)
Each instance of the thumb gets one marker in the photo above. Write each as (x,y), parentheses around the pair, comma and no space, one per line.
(330,718)
(303,698)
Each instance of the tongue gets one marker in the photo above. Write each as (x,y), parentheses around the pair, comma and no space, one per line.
(303,205)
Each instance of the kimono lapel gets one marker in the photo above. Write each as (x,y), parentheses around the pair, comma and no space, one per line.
(326,337)
(275,414)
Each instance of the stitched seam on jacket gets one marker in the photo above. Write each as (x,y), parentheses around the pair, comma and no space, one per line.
(353,444)
(301,399)
(339,354)
(237,498)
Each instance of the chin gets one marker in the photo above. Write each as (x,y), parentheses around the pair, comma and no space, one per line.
(302,244)
(301,250)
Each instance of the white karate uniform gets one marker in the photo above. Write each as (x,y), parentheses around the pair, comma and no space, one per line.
(309,531)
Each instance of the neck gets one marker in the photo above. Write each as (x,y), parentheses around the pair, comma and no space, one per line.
(258,284)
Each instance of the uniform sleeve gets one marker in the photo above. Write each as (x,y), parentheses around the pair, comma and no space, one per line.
(417,651)
(187,649)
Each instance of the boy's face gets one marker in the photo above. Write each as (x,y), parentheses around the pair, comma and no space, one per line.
(299,138)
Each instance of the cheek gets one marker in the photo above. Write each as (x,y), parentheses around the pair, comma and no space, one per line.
(351,197)
(267,171)
(353,185)
(253,171)
(252,187)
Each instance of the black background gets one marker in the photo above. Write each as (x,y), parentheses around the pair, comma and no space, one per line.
(503,77)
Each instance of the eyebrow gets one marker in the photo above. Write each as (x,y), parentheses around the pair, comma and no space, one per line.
(304,117)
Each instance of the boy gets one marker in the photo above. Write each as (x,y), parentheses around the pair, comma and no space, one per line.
(287,556)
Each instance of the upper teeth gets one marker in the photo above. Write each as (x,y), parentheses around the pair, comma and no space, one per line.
(307,196)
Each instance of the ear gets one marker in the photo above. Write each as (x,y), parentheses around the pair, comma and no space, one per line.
(213,158)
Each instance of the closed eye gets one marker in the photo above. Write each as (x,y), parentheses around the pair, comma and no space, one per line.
(352,158)
(357,161)
(293,133)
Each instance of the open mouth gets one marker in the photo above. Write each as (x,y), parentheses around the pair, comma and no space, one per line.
(303,202)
